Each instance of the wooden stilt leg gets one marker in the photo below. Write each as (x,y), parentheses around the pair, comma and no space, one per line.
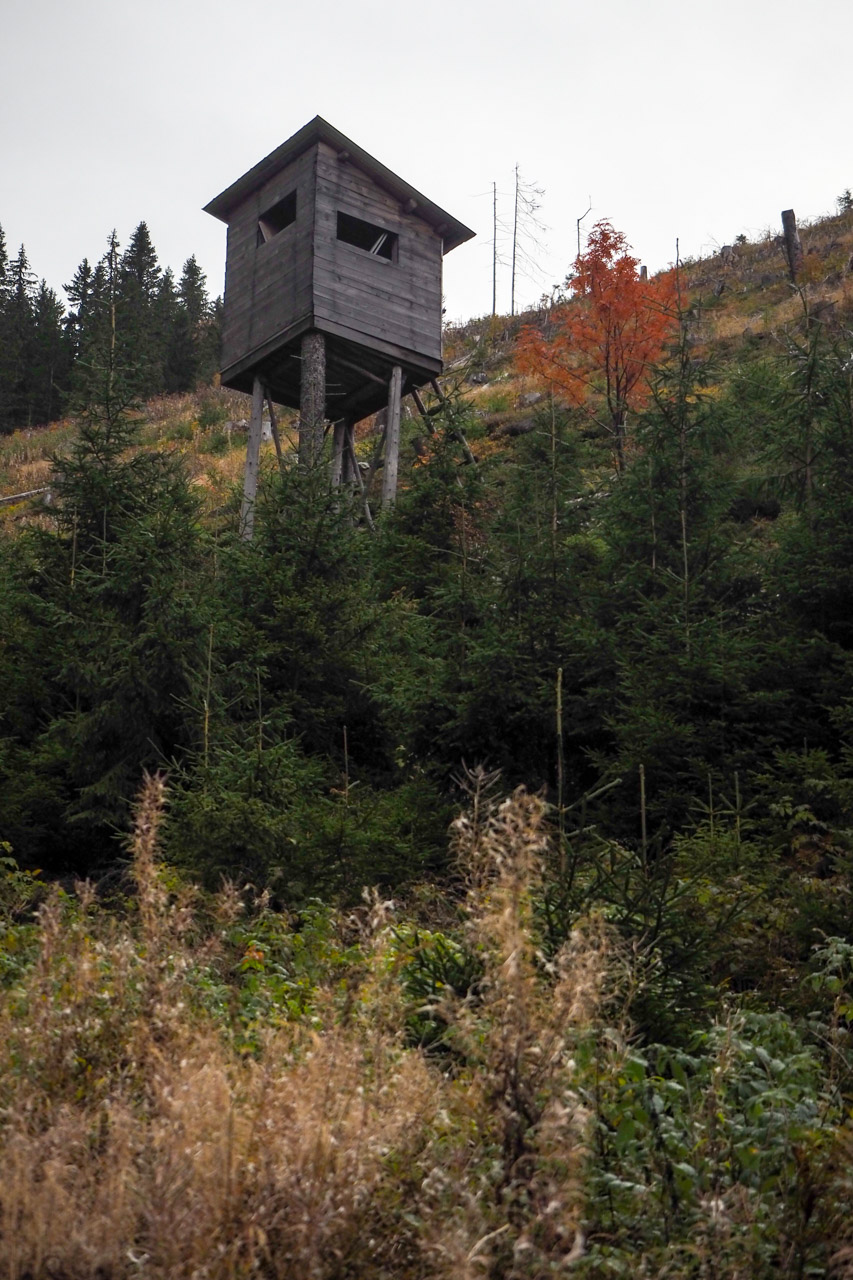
(354,461)
(312,400)
(349,453)
(421,408)
(392,439)
(339,453)
(253,453)
(276,437)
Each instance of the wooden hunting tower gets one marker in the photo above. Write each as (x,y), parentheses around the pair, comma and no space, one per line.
(332,288)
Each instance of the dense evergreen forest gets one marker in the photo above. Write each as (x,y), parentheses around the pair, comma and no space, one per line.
(168,329)
(607,1026)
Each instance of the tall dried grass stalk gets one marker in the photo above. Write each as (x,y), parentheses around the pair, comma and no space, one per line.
(518,1035)
(137,1141)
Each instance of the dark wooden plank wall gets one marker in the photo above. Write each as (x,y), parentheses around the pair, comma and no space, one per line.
(268,286)
(397,302)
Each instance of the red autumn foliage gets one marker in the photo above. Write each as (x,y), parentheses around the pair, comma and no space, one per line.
(604,341)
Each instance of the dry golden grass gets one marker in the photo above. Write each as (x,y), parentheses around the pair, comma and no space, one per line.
(138,1140)
(521,1097)
(25,456)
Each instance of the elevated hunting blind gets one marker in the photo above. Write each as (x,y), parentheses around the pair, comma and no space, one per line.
(332,293)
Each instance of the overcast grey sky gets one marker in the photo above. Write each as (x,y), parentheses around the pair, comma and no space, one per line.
(679,119)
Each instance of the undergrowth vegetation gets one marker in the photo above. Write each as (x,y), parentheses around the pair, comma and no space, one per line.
(198,1085)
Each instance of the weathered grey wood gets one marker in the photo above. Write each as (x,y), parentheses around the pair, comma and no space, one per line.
(21,497)
(422,410)
(398,301)
(298,265)
(357,473)
(319,130)
(357,368)
(349,453)
(338,452)
(392,439)
(275,436)
(312,408)
(267,286)
(253,455)
(793,247)
(396,354)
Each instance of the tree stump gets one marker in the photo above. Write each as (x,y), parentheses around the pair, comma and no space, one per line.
(793,248)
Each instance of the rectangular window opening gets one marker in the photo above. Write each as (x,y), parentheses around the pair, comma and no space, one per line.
(281,215)
(367,236)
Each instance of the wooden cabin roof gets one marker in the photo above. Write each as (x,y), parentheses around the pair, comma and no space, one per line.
(450,229)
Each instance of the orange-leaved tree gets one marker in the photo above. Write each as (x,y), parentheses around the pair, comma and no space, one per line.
(605,339)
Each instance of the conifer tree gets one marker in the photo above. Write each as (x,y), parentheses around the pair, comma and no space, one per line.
(180,364)
(108,377)
(685,608)
(81,295)
(188,354)
(34,354)
(5,402)
(4,269)
(50,357)
(810,451)
(193,294)
(166,319)
(108,603)
(140,340)
(18,328)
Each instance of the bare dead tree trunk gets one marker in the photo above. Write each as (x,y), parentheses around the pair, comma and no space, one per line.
(514,244)
(494,249)
(580,220)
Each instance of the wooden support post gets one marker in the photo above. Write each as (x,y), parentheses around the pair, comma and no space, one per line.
(358,368)
(276,437)
(253,454)
(312,400)
(392,438)
(349,453)
(357,473)
(339,458)
(423,411)
(793,247)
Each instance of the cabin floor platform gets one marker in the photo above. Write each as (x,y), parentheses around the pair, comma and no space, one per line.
(357,376)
